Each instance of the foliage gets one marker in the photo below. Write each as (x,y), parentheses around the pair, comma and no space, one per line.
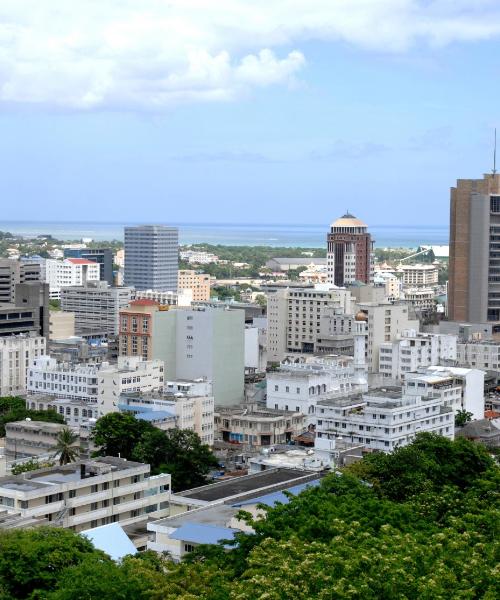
(30,465)
(462,417)
(66,446)
(54,304)
(179,452)
(13,408)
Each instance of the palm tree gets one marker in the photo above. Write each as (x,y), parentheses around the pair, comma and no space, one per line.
(65,446)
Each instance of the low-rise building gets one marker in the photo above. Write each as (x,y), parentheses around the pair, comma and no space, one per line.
(258,427)
(16,354)
(69,272)
(182,297)
(421,299)
(31,438)
(383,419)
(419,275)
(86,494)
(479,355)
(198,257)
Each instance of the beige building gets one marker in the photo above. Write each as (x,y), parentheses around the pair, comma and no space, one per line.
(199,283)
(419,275)
(61,325)
(31,438)
(259,427)
(85,494)
(421,298)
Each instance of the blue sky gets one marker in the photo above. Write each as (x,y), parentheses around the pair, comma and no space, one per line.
(273,111)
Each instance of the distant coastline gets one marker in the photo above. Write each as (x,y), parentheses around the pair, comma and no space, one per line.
(238,234)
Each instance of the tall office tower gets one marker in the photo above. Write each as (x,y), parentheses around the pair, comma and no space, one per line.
(474,269)
(13,272)
(102,256)
(349,250)
(151,257)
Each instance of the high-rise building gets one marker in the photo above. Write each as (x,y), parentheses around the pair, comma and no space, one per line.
(102,256)
(16,353)
(70,271)
(349,250)
(151,257)
(474,269)
(13,272)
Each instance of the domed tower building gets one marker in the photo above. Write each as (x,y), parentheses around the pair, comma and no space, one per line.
(349,251)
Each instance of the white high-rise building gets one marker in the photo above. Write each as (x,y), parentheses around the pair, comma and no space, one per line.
(17,352)
(414,350)
(69,272)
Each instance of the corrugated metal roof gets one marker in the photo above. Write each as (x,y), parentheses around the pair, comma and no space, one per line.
(275,497)
(202,534)
(111,539)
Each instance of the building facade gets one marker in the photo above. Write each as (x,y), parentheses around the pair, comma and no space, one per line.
(349,251)
(17,352)
(151,257)
(13,272)
(199,283)
(69,272)
(31,438)
(479,355)
(419,275)
(102,256)
(474,268)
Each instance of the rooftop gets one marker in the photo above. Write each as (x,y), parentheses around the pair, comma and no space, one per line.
(81,261)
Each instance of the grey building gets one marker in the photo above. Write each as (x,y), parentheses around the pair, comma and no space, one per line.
(151,257)
(95,305)
(13,272)
(29,312)
(102,256)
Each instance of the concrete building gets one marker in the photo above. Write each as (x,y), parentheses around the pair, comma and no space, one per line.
(76,412)
(419,275)
(13,272)
(77,350)
(349,251)
(31,438)
(459,388)
(258,426)
(151,257)
(96,306)
(474,268)
(61,324)
(94,385)
(202,341)
(300,386)
(198,257)
(198,283)
(183,297)
(294,318)
(256,346)
(414,350)
(482,354)
(29,313)
(86,494)
(102,256)
(383,419)
(421,299)
(16,353)
(69,272)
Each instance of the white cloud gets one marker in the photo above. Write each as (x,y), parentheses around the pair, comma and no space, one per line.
(155,53)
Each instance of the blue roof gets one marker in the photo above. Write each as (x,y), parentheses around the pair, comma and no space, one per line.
(111,539)
(275,497)
(202,534)
(155,415)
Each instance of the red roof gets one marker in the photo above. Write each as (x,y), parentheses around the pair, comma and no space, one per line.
(491,414)
(144,302)
(81,261)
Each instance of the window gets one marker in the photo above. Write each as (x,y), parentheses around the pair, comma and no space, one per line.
(188,547)
(94,488)
(72,493)
(275,388)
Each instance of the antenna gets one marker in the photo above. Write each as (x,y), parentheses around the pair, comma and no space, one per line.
(495,153)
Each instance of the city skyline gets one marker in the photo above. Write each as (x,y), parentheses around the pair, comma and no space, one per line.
(295,110)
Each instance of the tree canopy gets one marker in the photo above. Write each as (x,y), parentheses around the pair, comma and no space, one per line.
(179,452)
(13,408)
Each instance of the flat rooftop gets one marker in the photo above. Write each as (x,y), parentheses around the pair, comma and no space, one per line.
(243,485)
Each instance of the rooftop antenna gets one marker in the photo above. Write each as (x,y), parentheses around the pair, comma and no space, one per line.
(495,153)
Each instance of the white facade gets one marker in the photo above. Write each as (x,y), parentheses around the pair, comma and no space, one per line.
(69,272)
(182,297)
(383,419)
(415,350)
(256,347)
(421,299)
(197,257)
(481,355)
(17,352)
(300,386)
(419,275)
(98,385)
(459,388)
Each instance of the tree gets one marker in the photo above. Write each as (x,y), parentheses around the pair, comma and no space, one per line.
(13,408)
(462,417)
(65,446)
(116,434)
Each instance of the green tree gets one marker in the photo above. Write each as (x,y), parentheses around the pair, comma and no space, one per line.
(462,417)
(66,446)
(116,434)
(13,408)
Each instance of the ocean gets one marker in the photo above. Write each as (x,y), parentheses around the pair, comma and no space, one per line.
(236,234)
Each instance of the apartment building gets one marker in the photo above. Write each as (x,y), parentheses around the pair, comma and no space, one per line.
(102,256)
(419,275)
(13,272)
(151,257)
(69,272)
(414,350)
(98,386)
(383,419)
(96,306)
(421,299)
(294,318)
(182,297)
(479,354)
(31,438)
(17,352)
(198,257)
(258,427)
(199,283)
(459,388)
(86,494)
(300,386)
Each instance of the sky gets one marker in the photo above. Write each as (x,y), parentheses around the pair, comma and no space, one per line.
(234,111)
